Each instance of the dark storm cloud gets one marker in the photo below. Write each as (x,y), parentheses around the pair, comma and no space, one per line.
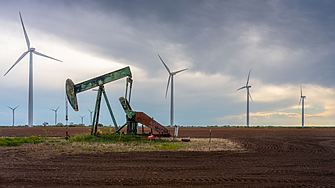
(211,34)
(214,36)
(226,37)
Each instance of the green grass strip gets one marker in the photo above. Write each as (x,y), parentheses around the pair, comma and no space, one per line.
(115,138)
(18,141)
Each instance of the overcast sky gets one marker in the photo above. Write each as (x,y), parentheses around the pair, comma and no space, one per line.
(285,43)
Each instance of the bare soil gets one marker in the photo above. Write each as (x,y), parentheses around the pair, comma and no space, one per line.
(283,157)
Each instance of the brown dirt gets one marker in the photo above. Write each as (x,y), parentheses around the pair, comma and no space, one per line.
(273,158)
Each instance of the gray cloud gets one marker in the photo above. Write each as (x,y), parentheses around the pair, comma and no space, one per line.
(226,37)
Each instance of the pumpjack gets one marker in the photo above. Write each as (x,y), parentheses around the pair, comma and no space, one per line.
(132,117)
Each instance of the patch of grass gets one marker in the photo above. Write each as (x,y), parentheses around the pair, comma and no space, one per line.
(50,140)
(166,146)
(87,149)
(18,141)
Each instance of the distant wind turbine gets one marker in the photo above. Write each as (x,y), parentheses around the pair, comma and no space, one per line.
(13,112)
(82,119)
(171,74)
(302,101)
(31,50)
(90,115)
(248,95)
(55,110)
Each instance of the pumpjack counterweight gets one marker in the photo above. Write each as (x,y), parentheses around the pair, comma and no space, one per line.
(132,117)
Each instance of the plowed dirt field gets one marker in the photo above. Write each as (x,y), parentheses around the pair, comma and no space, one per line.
(278,157)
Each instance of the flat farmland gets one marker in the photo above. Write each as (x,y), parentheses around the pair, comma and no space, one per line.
(278,157)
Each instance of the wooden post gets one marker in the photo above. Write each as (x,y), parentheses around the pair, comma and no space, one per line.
(210,135)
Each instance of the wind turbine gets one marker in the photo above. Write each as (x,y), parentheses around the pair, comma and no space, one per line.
(82,120)
(30,50)
(171,74)
(90,115)
(248,95)
(13,112)
(55,110)
(302,101)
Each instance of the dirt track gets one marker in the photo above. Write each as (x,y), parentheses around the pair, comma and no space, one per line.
(274,158)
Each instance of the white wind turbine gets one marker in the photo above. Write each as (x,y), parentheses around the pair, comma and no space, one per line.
(82,119)
(171,74)
(248,95)
(302,101)
(90,115)
(31,50)
(13,112)
(55,110)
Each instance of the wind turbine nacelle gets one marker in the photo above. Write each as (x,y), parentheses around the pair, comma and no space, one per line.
(31,49)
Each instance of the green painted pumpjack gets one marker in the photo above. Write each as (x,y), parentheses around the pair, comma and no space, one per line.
(132,117)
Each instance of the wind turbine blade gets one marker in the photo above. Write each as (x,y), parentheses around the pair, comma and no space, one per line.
(167,87)
(16,107)
(167,68)
(22,56)
(248,78)
(179,71)
(38,53)
(10,107)
(25,32)
(57,108)
(301,90)
(241,88)
(250,96)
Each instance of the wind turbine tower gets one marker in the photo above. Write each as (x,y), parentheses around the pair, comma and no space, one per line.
(171,74)
(13,112)
(55,110)
(30,50)
(248,95)
(302,101)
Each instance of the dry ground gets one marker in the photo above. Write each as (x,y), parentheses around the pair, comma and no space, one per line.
(272,158)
